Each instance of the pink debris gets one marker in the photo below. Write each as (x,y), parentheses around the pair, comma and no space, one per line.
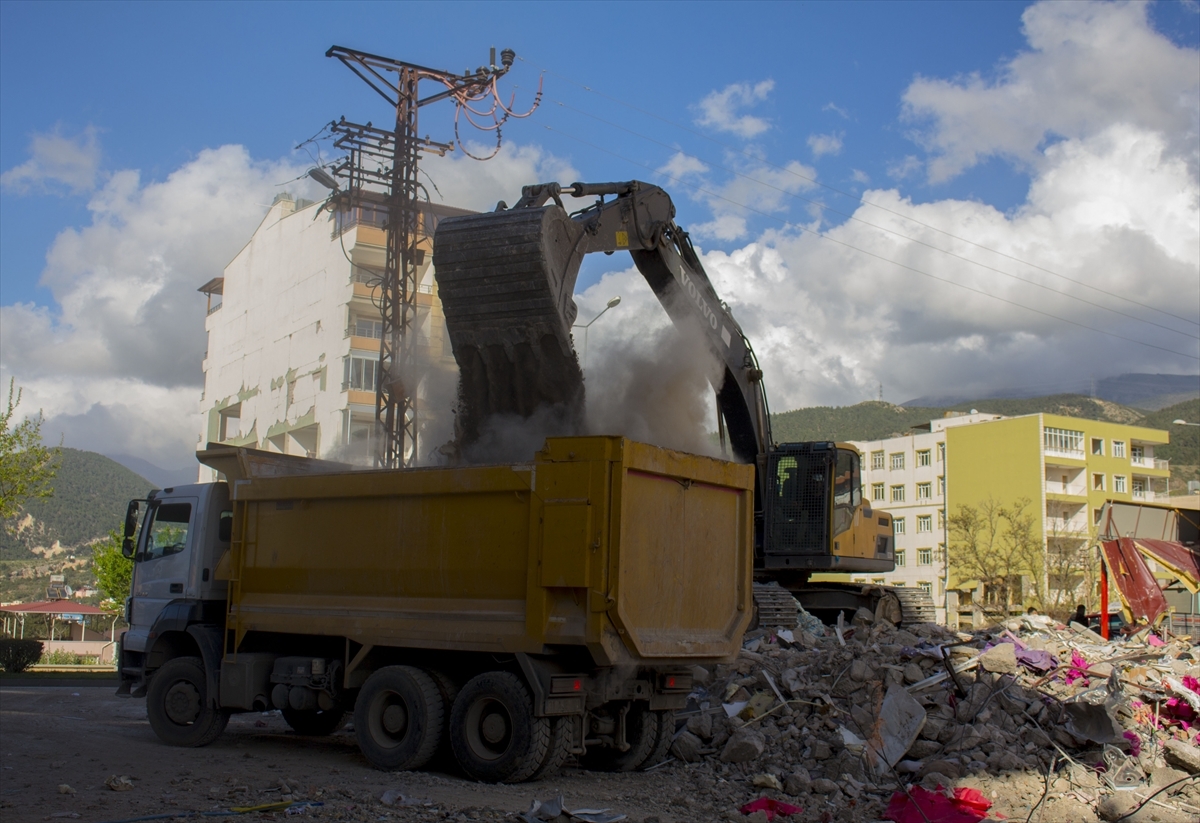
(1135,743)
(771,807)
(923,806)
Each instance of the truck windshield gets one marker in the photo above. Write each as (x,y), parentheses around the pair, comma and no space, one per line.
(168,530)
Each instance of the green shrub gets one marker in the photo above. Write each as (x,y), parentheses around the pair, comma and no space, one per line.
(60,657)
(19,655)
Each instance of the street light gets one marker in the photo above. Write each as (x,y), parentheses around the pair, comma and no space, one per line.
(1174,422)
(611,304)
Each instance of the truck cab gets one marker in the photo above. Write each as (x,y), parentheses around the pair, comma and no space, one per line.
(176,537)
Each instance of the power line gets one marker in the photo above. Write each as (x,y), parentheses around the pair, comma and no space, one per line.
(855,197)
(913,269)
(821,205)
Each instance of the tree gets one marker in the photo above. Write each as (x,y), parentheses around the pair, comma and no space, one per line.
(998,546)
(27,467)
(113,570)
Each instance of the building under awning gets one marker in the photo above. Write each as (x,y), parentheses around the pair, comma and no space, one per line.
(60,610)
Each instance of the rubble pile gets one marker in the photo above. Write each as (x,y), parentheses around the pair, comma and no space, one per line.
(1054,721)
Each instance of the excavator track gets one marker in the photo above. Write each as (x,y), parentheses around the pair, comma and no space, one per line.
(774,606)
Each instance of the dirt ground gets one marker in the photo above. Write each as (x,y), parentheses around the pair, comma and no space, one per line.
(60,744)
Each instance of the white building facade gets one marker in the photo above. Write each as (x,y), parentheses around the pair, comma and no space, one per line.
(293,336)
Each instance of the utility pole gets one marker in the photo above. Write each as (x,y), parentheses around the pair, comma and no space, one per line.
(380,171)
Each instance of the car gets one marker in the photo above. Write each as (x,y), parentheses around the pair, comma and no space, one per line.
(1116,622)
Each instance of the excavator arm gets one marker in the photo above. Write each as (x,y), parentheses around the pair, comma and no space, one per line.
(631,216)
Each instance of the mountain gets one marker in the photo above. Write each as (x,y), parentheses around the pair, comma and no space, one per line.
(160,477)
(1141,391)
(90,495)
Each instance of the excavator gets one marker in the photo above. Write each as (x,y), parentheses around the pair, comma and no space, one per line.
(506,280)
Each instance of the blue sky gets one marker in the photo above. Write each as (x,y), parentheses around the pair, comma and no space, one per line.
(912,103)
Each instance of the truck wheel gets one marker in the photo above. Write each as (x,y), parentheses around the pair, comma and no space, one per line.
(641,732)
(177,705)
(493,731)
(561,738)
(398,718)
(662,744)
(315,723)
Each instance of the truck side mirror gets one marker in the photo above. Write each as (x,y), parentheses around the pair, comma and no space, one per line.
(131,518)
(131,521)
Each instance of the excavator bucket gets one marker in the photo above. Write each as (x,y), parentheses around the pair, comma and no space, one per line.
(506,281)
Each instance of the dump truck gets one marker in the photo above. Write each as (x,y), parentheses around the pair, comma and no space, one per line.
(506,281)
(511,615)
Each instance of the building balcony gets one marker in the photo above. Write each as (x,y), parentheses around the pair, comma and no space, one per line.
(1057,489)
(1150,463)
(1149,496)
(1055,455)
(1075,527)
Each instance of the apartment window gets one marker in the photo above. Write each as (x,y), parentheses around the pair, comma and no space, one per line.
(877,460)
(897,494)
(924,491)
(926,586)
(941,452)
(1096,517)
(1118,448)
(898,525)
(924,557)
(877,492)
(941,484)
(1098,482)
(879,581)
(900,557)
(924,458)
(1119,483)
(897,461)
(924,523)
(1137,452)
(941,518)
(230,423)
(359,373)
(1063,440)
(1139,486)
(366,327)
(897,584)
(1098,446)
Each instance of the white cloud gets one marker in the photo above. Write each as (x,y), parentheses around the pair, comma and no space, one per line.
(903,169)
(475,184)
(830,322)
(57,163)
(720,109)
(836,109)
(1088,65)
(822,144)
(861,177)
(115,362)
(681,166)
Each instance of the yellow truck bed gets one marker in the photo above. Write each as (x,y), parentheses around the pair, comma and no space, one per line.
(641,554)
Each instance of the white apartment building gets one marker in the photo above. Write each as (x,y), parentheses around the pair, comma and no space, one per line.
(906,476)
(293,335)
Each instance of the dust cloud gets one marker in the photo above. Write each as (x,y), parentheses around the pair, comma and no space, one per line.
(656,389)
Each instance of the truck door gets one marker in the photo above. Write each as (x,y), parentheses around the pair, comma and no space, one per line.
(162,568)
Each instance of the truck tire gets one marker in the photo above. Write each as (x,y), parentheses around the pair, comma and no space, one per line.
(662,743)
(316,723)
(561,740)
(398,718)
(493,732)
(641,732)
(177,705)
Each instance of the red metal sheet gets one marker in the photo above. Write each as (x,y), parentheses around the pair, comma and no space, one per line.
(53,607)
(1140,595)
(1182,560)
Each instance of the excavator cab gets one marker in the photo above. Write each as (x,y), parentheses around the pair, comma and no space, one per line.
(814,515)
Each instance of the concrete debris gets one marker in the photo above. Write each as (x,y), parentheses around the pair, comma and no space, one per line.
(541,810)
(1034,713)
(119,783)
